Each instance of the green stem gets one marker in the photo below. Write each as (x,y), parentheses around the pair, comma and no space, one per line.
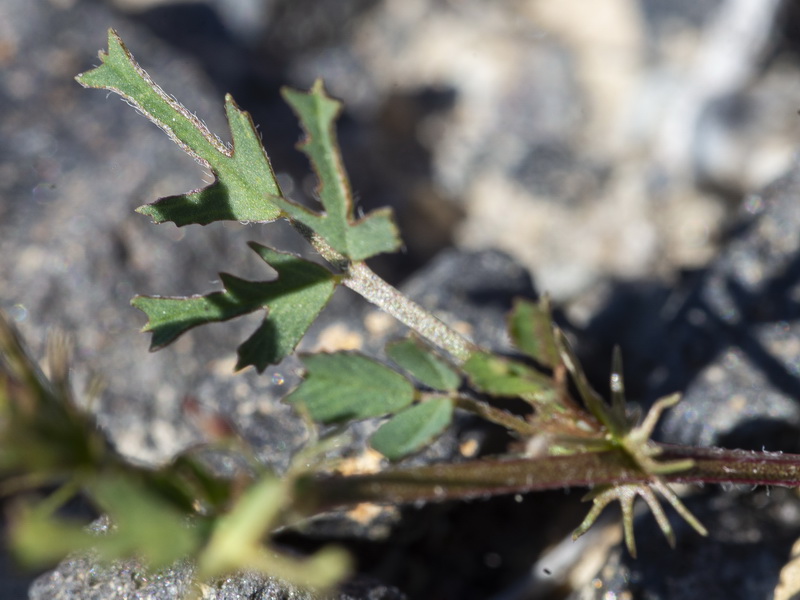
(362,280)
(365,282)
(497,415)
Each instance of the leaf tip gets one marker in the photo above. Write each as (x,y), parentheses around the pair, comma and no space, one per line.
(114,43)
(84,78)
(150,210)
(319,87)
(231,105)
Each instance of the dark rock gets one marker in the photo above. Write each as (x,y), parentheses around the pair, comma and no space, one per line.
(83,579)
(725,336)
(731,344)
(728,338)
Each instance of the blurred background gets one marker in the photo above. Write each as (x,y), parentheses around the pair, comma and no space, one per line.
(598,144)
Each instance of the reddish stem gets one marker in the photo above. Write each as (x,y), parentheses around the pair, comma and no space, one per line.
(491,477)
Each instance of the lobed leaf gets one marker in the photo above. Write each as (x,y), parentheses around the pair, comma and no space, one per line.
(426,367)
(292,302)
(244,180)
(413,428)
(343,386)
(601,496)
(356,239)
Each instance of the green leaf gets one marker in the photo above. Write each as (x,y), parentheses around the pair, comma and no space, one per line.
(345,386)
(413,429)
(499,376)
(355,239)
(236,543)
(531,327)
(39,540)
(238,533)
(593,401)
(146,527)
(244,178)
(293,301)
(428,369)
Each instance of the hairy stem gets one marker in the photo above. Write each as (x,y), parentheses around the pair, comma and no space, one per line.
(365,282)
(362,280)
(484,478)
(497,415)
(717,465)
